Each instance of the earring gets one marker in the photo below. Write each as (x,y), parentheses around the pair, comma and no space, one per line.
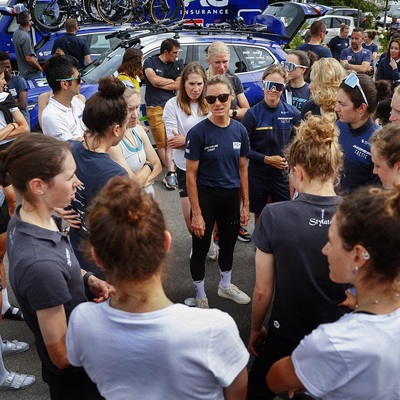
(117,135)
(365,255)
(354,270)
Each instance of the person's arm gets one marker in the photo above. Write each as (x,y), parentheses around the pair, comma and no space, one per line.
(88,59)
(197,223)
(53,327)
(282,377)
(262,296)
(363,68)
(43,100)
(15,128)
(243,106)
(33,62)
(161,82)
(151,156)
(244,192)
(116,154)
(11,198)
(238,388)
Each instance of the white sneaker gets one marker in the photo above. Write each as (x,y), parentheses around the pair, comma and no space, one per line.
(233,293)
(213,252)
(202,303)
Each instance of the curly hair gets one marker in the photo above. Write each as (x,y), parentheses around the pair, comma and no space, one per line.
(132,63)
(316,148)
(327,75)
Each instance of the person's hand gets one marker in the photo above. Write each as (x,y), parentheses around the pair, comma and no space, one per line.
(254,340)
(277,162)
(350,302)
(177,141)
(393,63)
(198,225)
(244,216)
(100,289)
(70,216)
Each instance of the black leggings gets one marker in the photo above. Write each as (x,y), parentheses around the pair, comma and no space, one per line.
(221,206)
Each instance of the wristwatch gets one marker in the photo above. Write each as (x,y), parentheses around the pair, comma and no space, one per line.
(234,113)
(346,66)
(150,165)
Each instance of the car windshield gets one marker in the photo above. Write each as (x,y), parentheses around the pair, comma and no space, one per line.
(105,65)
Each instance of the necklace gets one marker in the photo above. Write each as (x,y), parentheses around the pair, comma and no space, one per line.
(367,303)
(134,142)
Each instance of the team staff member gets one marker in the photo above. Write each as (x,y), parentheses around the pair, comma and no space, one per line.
(269,125)
(162,77)
(340,42)
(356,58)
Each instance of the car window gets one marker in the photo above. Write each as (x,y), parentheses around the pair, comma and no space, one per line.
(199,54)
(256,57)
(98,42)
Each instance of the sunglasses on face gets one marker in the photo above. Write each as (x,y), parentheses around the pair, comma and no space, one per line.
(222,98)
(76,78)
(353,81)
(269,85)
(290,66)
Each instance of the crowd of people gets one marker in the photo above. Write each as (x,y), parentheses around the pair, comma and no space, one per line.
(87,244)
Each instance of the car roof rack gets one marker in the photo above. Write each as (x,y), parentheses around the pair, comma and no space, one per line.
(166,26)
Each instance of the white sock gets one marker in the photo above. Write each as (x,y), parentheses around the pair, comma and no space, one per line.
(225,278)
(3,372)
(6,303)
(199,286)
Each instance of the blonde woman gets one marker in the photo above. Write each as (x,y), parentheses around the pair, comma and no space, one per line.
(326,76)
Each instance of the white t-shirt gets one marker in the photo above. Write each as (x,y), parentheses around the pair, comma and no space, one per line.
(63,123)
(176,353)
(176,119)
(356,357)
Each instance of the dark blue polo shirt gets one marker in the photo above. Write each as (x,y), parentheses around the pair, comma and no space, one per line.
(74,46)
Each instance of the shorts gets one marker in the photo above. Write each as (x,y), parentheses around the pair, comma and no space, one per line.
(260,189)
(157,126)
(4,217)
(181,175)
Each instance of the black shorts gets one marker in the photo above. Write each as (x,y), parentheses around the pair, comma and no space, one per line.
(181,175)
(4,217)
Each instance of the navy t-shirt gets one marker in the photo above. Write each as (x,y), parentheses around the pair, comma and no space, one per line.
(297,97)
(218,151)
(337,44)
(319,50)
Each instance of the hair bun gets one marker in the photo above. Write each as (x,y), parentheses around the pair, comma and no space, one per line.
(111,87)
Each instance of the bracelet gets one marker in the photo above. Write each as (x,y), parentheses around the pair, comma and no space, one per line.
(234,113)
(86,277)
(150,165)
(12,123)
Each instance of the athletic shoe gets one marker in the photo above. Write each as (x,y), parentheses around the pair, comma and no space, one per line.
(170,181)
(213,252)
(216,238)
(202,303)
(244,235)
(233,293)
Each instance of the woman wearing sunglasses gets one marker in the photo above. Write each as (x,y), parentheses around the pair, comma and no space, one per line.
(297,92)
(357,100)
(269,125)
(326,76)
(217,185)
(356,357)
(289,237)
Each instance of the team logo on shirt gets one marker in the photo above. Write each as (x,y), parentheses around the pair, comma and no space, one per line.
(68,256)
(320,221)
(236,145)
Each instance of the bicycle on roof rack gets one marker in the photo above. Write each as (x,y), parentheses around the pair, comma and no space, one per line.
(117,12)
(50,15)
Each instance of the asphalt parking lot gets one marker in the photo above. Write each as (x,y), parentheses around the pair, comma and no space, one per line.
(178,286)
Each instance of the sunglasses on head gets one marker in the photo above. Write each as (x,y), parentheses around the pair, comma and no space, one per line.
(353,81)
(269,85)
(290,66)
(76,78)
(222,98)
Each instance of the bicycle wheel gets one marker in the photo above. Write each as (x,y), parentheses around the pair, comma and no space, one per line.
(49,15)
(171,9)
(115,11)
(91,10)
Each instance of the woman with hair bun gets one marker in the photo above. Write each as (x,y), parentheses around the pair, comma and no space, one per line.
(139,344)
(358,356)
(385,154)
(45,275)
(289,237)
(106,117)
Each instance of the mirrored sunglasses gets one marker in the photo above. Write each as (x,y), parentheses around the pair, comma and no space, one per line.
(222,98)
(269,85)
(353,81)
(290,66)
